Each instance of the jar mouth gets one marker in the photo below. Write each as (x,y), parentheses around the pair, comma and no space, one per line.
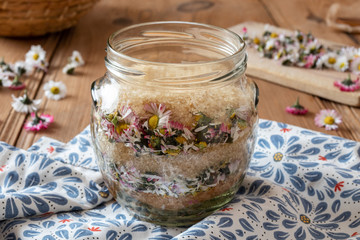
(227,44)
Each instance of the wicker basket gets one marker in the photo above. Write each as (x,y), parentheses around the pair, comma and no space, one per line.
(38,17)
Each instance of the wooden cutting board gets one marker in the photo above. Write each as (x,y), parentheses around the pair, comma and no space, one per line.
(316,82)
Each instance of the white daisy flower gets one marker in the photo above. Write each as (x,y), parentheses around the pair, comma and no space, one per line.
(342,64)
(328,118)
(69,68)
(76,58)
(350,52)
(312,46)
(329,59)
(35,55)
(55,90)
(24,104)
(21,68)
(159,116)
(42,66)
(270,44)
(355,65)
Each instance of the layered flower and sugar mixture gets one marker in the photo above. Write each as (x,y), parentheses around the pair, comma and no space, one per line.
(175,149)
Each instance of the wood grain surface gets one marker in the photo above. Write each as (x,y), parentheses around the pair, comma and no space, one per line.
(72,114)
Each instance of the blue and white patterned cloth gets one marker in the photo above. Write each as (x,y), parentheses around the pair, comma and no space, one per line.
(301,184)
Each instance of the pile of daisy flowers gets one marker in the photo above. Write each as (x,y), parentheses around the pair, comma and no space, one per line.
(156,133)
(304,50)
(11,74)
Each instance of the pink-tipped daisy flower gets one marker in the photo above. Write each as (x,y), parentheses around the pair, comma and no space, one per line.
(296,109)
(348,85)
(159,117)
(37,123)
(16,84)
(328,118)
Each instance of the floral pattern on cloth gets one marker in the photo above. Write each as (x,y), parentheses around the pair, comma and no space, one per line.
(300,184)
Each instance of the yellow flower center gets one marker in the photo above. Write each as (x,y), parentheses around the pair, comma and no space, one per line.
(77,59)
(304,219)
(332,60)
(153,122)
(202,145)
(329,120)
(256,40)
(180,139)
(342,65)
(172,152)
(121,127)
(36,56)
(273,35)
(55,90)
(278,157)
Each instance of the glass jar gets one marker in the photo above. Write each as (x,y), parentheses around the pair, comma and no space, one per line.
(174,120)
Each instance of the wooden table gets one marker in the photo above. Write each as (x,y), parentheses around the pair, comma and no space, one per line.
(72,114)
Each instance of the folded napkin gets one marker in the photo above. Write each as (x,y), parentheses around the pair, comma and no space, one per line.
(300,184)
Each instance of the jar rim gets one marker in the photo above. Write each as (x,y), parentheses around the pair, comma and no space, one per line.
(239,51)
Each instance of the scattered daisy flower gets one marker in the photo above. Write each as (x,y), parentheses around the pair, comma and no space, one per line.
(328,118)
(55,90)
(25,104)
(22,68)
(69,68)
(296,109)
(35,55)
(348,85)
(355,65)
(42,66)
(37,123)
(342,64)
(76,58)
(16,84)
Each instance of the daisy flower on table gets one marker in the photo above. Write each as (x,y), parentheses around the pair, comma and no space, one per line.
(38,122)
(74,61)
(296,109)
(6,78)
(69,68)
(159,117)
(328,118)
(355,65)
(25,104)
(348,85)
(55,90)
(16,84)
(35,56)
(76,58)
(342,64)
(22,68)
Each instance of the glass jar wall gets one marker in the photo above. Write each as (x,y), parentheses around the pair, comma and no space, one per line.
(174,120)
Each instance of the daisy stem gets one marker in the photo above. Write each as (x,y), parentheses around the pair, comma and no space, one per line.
(26,100)
(16,81)
(297,104)
(347,81)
